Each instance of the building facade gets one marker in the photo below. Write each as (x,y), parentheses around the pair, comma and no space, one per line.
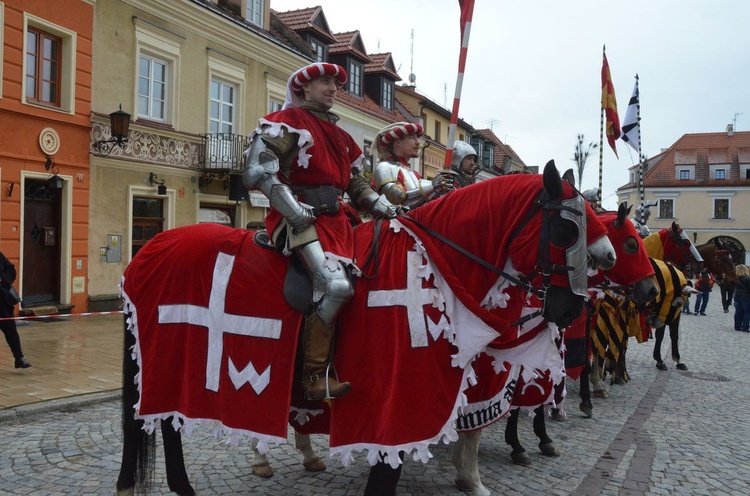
(701,182)
(45,104)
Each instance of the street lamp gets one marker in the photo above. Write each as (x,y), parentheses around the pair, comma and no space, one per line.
(119,124)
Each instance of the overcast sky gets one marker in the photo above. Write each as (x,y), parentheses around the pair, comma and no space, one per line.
(533,68)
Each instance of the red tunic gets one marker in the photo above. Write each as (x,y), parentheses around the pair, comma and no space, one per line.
(326,157)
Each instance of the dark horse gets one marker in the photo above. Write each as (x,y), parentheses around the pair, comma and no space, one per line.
(175,298)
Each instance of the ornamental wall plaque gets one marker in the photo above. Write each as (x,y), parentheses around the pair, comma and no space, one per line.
(49,141)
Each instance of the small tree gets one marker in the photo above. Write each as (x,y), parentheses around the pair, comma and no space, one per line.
(581,156)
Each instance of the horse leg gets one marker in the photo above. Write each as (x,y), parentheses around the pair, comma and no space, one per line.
(674,337)
(138,447)
(261,467)
(177,478)
(310,460)
(465,458)
(383,478)
(518,453)
(546,445)
(658,337)
(596,379)
(585,393)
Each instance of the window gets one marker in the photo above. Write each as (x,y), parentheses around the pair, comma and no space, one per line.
(684,175)
(43,62)
(223,215)
(255,12)
(488,155)
(221,146)
(666,209)
(274,105)
(461,137)
(49,65)
(721,208)
(387,102)
(438,130)
(720,174)
(148,221)
(319,49)
(478,146)
(157,72)
(152,88)
(355,78)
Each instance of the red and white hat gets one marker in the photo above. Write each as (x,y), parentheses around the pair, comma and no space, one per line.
(294,92)
(395,131)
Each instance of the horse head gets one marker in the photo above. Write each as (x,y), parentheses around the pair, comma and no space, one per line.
(633,268)
(673,245)
(718,260)
(539,225)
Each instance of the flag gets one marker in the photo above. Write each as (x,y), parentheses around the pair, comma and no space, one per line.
(631,125)
(609,105)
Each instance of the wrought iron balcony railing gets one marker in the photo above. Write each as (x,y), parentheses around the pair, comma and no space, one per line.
(221,154)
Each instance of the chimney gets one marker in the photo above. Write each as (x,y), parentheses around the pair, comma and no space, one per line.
(730,129)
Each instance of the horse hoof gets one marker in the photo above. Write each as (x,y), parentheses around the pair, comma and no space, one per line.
(662,366)
(619,381)
(549,449)
(521,458)
(125,492)
(471,488)
(315,465)
(681,366)
(263,470)
(587,408)
(601,393)
(559,417)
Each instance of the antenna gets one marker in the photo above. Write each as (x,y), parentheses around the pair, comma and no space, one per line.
(734,125)
(412,76)
(492,123)
(445,94)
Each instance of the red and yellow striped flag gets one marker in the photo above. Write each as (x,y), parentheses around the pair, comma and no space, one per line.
(609,105)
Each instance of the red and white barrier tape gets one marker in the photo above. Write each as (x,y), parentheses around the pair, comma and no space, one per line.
(58,315)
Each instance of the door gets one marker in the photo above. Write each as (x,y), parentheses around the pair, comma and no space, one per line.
(41,243)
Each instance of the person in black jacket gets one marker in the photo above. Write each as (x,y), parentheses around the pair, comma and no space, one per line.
(7,302)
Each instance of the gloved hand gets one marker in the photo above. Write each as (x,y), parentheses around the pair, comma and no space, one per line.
(383,209)
(443,182)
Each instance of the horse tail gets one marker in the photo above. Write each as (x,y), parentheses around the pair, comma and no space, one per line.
(139,447)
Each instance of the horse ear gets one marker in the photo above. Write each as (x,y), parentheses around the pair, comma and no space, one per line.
(622,213)
(568,176)
(552,180)
(675,227)
(629,209)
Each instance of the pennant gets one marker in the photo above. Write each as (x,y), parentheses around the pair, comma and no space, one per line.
(631,124)
(609,105)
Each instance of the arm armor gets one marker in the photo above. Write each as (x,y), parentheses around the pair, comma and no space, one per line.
(366,198)
(260,174)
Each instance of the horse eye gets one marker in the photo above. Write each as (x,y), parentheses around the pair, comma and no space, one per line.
(630,245)
(563,233)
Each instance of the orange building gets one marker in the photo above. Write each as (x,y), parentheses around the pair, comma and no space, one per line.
(45,120)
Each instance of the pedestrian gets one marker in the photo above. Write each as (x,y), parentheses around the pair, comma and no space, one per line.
(705,285)
(464,162)
(395,145)
(303,163)
(686,307)
(7,304)
(727,292)
(742,299)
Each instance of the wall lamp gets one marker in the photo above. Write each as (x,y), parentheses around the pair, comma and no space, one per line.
(119,124)
(55,181)
(161,188)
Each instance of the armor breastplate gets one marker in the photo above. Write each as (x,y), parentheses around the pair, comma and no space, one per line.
(387,172)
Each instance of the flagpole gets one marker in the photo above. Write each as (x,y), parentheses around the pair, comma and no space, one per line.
(601,140)
(467,11)
(641,158)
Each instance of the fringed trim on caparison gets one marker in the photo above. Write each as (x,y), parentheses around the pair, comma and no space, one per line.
(275,129)
(180,422)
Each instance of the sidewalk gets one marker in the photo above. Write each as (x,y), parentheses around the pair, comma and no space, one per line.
(70,356)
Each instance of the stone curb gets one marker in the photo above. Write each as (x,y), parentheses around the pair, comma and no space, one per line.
(22,412)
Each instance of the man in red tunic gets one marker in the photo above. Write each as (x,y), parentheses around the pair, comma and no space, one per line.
(303,162)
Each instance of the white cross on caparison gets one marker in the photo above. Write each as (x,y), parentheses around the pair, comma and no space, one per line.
(217,321)
(414,297)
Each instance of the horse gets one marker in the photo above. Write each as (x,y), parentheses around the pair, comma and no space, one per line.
(633,275)
(210,339)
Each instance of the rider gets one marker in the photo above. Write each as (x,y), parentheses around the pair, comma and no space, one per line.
(464,163)
(395,145)
(303,162)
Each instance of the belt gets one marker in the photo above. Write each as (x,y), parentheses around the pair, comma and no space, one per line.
(323,199)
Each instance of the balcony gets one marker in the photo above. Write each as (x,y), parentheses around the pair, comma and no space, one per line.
(221,154)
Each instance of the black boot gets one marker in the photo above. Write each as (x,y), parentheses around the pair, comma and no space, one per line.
(21,363)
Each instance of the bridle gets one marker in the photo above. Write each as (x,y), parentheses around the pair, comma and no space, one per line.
(543,266)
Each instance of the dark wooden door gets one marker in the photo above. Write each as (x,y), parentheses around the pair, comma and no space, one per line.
(41,243)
